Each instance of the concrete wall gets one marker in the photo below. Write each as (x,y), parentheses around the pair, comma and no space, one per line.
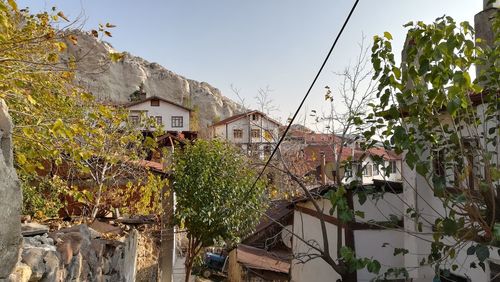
(166,111)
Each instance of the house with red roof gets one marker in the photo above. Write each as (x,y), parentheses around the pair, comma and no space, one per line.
(253,131)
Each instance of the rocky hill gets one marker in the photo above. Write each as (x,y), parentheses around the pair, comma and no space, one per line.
(115,82)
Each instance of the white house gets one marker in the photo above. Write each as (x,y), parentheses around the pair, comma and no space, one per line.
(253,131)
(364,235)
(355,164)
(172,116)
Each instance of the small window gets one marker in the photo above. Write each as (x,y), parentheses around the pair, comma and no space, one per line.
(368,170)
(376,170)
(237,133)
(255,133)
(393,167)
(155,102)
(159,120)
(134,120)
(255,117)
(177,121)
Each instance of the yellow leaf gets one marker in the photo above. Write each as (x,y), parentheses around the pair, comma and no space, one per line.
(73,39)
(108,25)
(61,46)
(115,57)
(388,35)
(61,14)
(21,159)
(13,4)
(57,125)
(31,100)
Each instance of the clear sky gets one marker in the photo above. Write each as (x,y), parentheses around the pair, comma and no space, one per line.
(254,44)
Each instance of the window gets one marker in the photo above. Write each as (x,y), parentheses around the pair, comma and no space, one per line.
(155,102)
(177,121)
(471,146)
(255,117)
(255,133)
(376,170)
(393,168)
(237,133)
(438,163)
(159,120)
(134,120)
(368,170)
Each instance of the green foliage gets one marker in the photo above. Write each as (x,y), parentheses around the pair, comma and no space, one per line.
(427,108)
(35,197)
(354,263)
(212,182)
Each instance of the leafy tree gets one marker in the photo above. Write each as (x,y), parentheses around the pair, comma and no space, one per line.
(446,124)
(60,131)
(211,180)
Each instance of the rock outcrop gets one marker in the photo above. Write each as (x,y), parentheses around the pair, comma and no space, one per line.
(115,82)
(10,199)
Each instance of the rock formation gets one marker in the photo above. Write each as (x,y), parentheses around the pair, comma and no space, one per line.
(115,82)
(10,199)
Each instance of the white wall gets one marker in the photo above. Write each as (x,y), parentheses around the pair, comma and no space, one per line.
(308,227)
(368,243)
(166,111)
(245,124)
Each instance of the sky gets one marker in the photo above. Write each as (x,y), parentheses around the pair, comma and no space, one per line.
(255,44)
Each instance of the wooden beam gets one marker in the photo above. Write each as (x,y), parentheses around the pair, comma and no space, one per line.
(351,225)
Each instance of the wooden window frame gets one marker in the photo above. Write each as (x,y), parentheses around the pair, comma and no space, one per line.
(177,121)
(155,102)
(237,133)
(255,133)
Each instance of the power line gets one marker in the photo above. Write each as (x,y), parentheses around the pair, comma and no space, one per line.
(305,97)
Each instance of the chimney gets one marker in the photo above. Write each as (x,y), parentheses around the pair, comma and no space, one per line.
(483,28)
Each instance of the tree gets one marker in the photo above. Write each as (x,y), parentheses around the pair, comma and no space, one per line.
(348,104)
(446,124)
(59,129)
(211,181)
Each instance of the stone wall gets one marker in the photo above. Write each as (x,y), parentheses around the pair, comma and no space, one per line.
(78,253)
(10,199)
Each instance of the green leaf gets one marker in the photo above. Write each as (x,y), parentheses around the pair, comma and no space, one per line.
(388,35)
(482,252)
(373,266)
(449,226)
(471,250)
